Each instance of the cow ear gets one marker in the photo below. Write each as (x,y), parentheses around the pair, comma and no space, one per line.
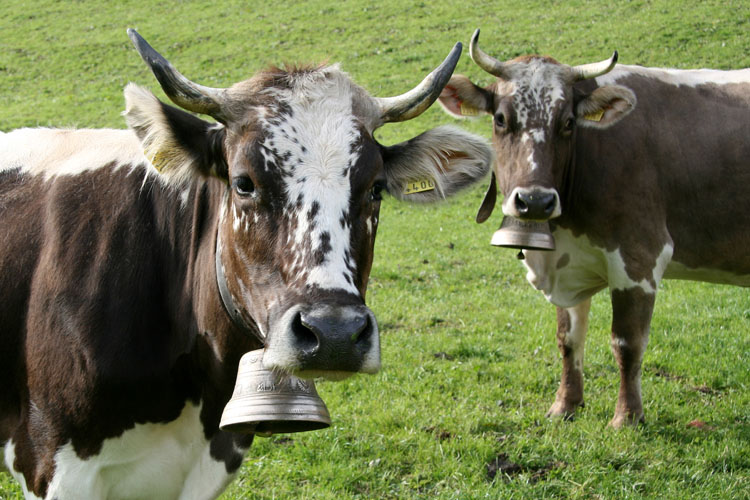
(435,164)
(178,144)
(461,98)
(605,106)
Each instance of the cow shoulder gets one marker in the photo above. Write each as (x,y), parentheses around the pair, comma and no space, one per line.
(435,164)
(177,143)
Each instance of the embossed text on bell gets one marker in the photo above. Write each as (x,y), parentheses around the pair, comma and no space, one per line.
(265,402)
(523,234)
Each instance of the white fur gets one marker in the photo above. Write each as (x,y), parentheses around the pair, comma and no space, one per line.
(324,125)
(10,456)
(583,276)
(575,338)
(543,88)
(588,270)
(618,276)
(53,152)
(678,77)
(155,461)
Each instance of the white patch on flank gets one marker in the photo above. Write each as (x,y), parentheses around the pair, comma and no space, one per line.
(155,461)
(324,125)
(54,152)
(586,270)
(678,77)
(618,276)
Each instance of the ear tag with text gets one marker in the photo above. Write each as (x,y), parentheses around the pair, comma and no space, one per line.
(158,160)
(418,186)
(595,116)
(468,110)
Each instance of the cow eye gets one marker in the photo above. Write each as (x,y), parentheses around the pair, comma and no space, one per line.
(244,186)
(569,124)
(500,121)
(377,190)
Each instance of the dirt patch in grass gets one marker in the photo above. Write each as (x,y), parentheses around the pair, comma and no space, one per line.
(507,469)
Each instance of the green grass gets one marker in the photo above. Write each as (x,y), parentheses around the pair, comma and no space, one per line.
(470,360)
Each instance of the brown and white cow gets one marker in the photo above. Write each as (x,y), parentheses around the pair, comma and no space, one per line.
(634,193)
(117,353)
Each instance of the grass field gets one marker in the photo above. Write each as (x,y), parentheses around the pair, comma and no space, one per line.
(470,363)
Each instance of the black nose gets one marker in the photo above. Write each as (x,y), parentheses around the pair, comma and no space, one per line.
(535,205)
(329,337)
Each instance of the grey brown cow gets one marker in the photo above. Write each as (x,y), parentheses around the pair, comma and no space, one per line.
(643,174)
(117,352)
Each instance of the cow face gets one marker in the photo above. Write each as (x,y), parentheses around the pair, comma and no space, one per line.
(304,182)
(536,107)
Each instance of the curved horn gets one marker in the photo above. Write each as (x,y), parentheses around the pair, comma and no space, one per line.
(586,71)
(417,100)
(180,90)
(485,61)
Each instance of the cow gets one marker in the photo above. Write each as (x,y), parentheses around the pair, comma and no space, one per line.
(642,174)
(118,345)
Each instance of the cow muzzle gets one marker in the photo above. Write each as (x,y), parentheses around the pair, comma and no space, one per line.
(537,204)
(324,341)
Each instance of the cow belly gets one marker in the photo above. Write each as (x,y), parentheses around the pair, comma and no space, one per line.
(154,461)
(676,270)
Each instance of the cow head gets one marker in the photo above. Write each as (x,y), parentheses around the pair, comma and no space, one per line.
(304,180)
(537,108)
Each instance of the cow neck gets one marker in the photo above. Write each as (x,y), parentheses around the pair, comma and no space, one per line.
(230,306)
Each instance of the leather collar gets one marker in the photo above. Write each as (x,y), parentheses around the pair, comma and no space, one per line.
(227,301)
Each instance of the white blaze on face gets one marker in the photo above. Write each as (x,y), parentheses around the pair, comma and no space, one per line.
(315,145)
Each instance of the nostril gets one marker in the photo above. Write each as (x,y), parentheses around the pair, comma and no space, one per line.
(361,330)
(305,335)
(521,205)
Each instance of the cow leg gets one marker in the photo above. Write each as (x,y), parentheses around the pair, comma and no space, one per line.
(217,466)
(631,318)
(572,325)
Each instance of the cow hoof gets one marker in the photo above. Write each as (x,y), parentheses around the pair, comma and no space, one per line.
(564,411)
(626,420)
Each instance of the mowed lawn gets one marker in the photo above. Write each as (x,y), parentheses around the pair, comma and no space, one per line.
(470,363)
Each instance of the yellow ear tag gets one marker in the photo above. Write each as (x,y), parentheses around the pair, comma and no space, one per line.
(468,110)
(595,116)
(158,159)
(419,186)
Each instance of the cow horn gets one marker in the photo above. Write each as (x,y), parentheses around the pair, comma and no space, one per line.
(417,100)
(485,61)
(586,71)
(180,90)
